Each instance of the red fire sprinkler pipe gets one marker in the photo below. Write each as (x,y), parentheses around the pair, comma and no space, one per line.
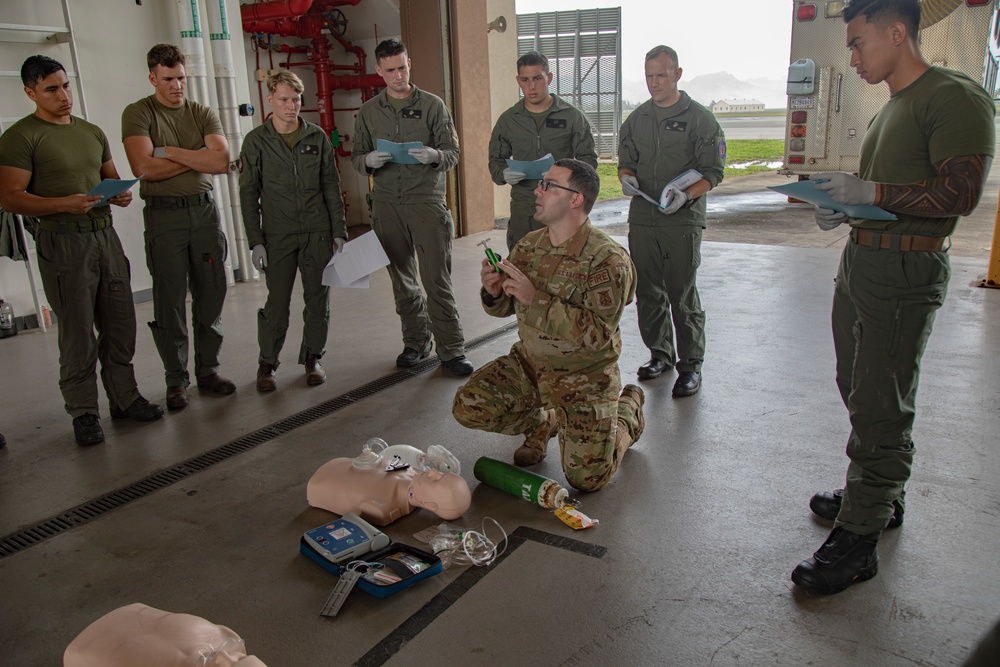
(275,9)
(306,19)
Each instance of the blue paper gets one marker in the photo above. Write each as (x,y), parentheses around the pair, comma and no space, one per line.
(532,169)
(807,192)
(111,187)
(400,154)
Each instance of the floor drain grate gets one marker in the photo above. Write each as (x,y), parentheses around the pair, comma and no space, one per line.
(39,532)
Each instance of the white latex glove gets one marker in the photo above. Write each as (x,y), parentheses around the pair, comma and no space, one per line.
(424,154)
(630,185)
(675,200)
(828,219)
(377,159)
(513,177)
(258,257)
(845,188)
(338,244)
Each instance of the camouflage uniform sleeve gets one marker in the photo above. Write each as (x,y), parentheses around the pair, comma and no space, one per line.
(609,287)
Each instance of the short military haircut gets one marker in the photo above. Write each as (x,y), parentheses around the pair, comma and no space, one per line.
(167,55)
(532,58)
(657,51)
(883,12)
(388,48)
(290,79)
(582,178)
(37,68)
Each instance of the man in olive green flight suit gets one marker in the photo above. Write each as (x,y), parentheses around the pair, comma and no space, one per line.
(48,160)
(662,139)
(537,125)
(293,213)
(176,145)
(408,208)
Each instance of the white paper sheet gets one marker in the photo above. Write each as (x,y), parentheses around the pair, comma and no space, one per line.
(352,265)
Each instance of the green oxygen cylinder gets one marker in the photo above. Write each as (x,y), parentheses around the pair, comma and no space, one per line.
(521,483)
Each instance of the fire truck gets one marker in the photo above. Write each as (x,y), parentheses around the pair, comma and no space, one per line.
(830,106)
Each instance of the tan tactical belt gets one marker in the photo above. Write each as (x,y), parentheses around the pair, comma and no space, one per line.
(899,242)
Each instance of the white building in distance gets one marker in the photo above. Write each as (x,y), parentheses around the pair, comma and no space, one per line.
(731,105)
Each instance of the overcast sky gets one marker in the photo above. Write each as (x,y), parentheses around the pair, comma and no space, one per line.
(749,39)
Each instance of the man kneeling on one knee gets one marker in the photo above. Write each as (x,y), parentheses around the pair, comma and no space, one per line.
(568,284)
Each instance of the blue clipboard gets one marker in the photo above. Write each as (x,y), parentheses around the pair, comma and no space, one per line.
(111,187)
(807,192)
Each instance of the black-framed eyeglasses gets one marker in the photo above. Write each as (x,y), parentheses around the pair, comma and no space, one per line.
(545,185)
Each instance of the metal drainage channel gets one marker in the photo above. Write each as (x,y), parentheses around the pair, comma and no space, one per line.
(77,516)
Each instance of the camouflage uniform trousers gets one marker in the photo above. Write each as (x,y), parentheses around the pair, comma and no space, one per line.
(502,397)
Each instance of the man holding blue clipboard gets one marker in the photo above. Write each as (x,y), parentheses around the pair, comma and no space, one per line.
(541,125)
(924,158)
(47,161)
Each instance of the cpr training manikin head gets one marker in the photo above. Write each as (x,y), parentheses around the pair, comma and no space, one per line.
(445,494)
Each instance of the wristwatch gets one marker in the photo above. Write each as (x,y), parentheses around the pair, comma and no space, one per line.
(489,299)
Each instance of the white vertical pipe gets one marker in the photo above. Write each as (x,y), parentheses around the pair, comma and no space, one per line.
(225,87)
(193,48)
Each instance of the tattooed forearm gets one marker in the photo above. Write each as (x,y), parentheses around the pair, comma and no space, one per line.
(955,190)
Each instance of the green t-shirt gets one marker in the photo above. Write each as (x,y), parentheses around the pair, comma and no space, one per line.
(663,113)
(539,118)
(63,159)
(400,103)
(292,137)
(941,115)
(184,127)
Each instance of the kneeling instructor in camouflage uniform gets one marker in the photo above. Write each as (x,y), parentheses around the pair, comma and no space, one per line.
(294,217)
(568,284)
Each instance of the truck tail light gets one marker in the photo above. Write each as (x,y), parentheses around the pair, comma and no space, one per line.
(796,159)
(806,12)
(976,3)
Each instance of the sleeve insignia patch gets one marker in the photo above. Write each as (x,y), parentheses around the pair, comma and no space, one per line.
(599,278)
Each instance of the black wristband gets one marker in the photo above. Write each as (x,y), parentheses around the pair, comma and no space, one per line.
(488,299)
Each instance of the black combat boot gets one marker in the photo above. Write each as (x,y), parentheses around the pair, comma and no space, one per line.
(844,559)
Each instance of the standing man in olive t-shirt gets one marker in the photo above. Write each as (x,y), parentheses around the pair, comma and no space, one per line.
(48,161)
(176,145)
(925,158)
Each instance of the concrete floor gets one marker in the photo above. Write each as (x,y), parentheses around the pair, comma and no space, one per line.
(702,525)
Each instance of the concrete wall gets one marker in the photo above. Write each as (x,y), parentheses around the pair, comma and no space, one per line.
(503,89)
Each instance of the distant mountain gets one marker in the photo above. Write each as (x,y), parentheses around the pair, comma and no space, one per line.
(708,88)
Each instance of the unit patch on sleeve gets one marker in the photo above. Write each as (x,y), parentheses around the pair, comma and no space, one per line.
(412,113)
(604,299)
(599,278)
